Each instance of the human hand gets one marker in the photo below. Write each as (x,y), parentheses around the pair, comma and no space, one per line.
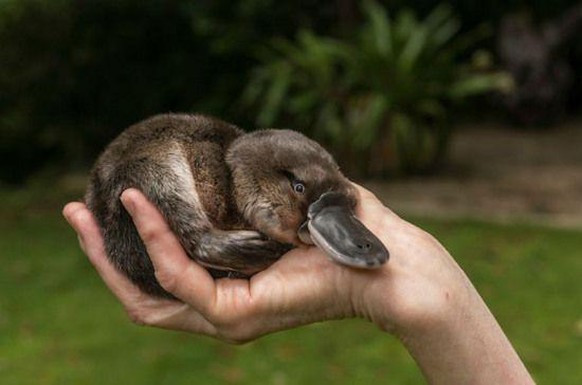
(421,295)
(303,287)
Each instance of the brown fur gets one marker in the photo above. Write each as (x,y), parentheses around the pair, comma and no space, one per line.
(227,195)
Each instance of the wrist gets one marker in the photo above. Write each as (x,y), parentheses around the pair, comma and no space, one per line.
(464,344)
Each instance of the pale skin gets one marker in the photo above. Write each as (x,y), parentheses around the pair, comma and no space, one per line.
(421,295)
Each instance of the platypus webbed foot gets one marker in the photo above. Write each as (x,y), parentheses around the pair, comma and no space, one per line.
(245,252)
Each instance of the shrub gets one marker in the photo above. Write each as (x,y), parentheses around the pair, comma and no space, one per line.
(382,100)
(75,73)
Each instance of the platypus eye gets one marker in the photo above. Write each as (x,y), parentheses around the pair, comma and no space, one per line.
(298,187)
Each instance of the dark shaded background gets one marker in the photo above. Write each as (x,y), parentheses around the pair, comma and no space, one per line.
(73,73)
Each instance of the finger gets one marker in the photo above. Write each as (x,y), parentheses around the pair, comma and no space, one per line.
(74,213)
(304,286)
(81,219)
(169,314)
(175,272)
(367,197)
(141,308)
(370,205)
(364,192)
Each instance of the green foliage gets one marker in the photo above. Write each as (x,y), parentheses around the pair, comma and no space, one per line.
(397,78)
(474,12)
(73,74)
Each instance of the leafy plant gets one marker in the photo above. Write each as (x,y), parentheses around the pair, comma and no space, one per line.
(386,93)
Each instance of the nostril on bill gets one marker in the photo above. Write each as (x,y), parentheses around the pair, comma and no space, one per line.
(364,246)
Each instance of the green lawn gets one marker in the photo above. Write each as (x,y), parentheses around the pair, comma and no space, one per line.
(59,325)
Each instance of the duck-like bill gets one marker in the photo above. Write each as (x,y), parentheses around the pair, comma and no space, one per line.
(333,227)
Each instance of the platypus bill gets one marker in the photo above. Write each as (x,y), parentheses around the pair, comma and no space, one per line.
(237,201)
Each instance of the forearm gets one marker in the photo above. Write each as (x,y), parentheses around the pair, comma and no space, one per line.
(466,347)
(421,295)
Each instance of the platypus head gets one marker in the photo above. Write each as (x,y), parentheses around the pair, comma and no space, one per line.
(291,189)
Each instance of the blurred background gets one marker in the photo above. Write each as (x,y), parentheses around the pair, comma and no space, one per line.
(465,117)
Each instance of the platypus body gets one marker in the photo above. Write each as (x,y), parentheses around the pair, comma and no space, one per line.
(237,201)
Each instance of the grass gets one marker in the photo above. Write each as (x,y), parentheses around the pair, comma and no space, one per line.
(59,324)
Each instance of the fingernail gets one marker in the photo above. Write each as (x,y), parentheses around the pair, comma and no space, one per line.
(65,213)
(66,217)
(69,213)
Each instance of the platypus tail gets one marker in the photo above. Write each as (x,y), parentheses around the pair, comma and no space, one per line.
(168,183)
(123,245)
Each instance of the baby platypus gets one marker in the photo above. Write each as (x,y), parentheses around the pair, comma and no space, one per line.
(237,201)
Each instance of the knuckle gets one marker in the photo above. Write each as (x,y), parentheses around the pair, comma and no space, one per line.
(236,337)
(225,322)
(234,330)
(167,280)
(172,277)
(238,340)
(144,316)
(136,317)
(150,234)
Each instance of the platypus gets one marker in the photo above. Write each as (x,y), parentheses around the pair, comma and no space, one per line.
(237,201)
